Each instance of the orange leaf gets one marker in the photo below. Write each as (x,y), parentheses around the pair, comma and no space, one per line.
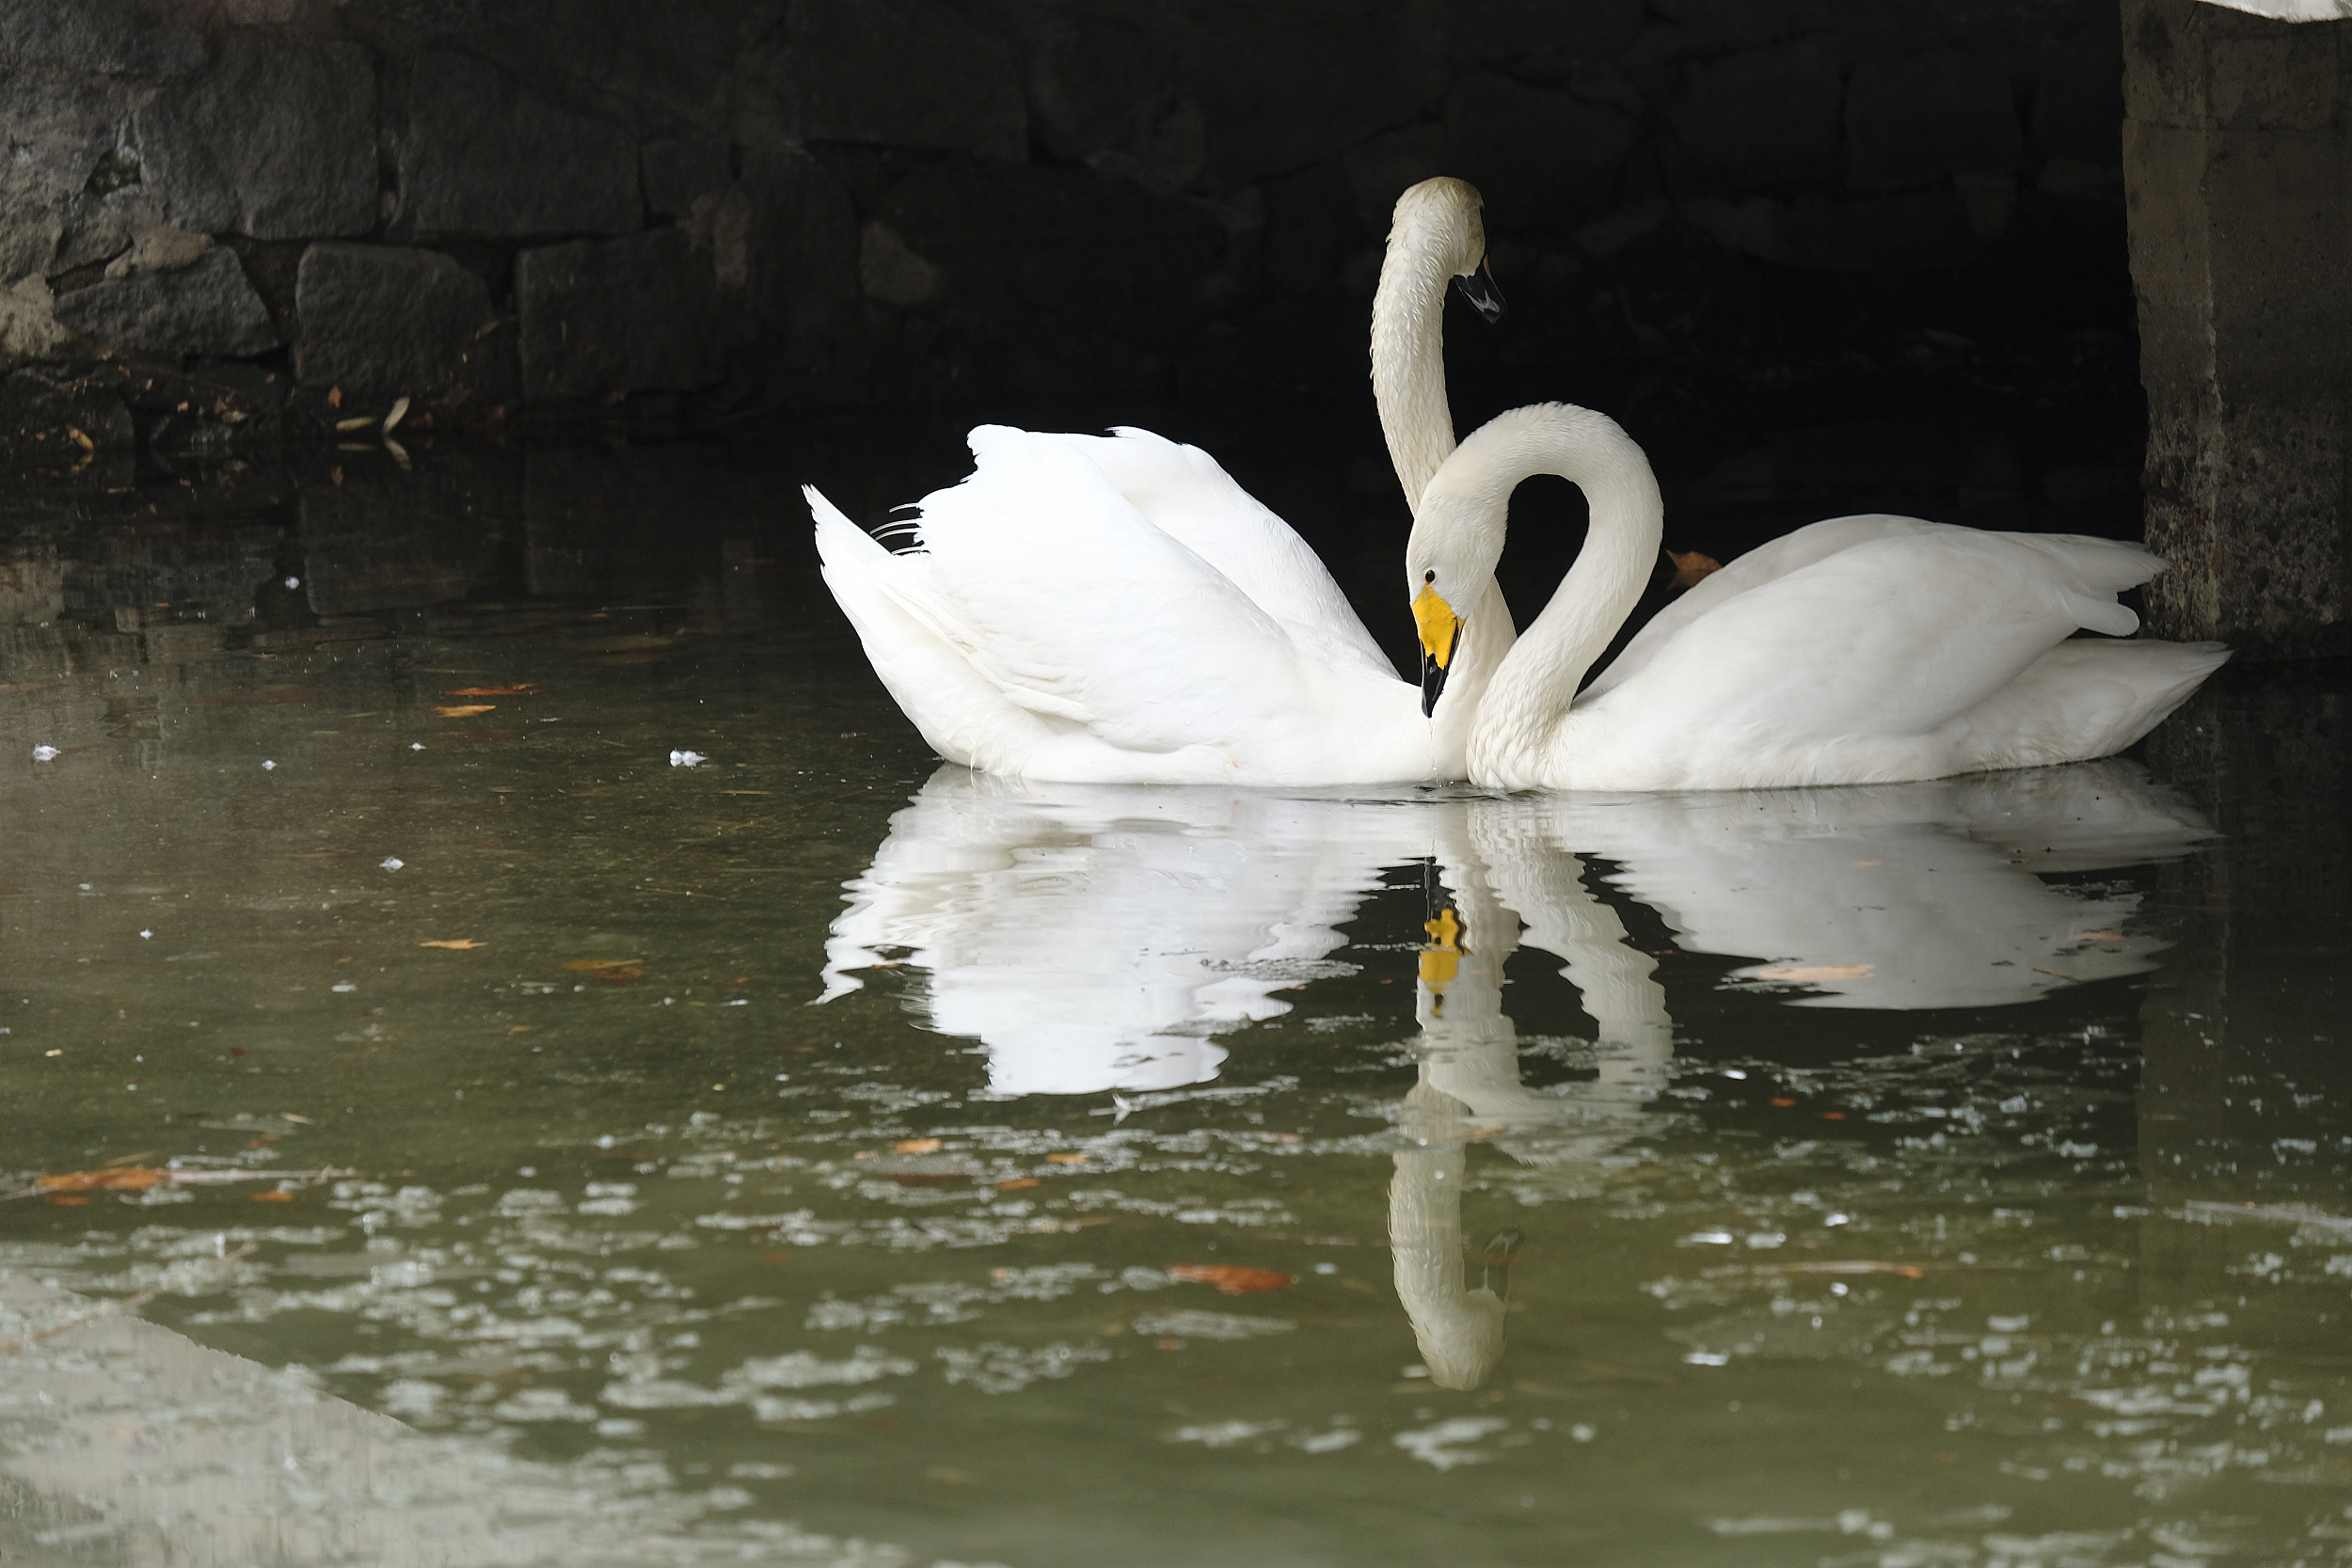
(334,397)
(130,1179)
(618,971)
(1016,1183)
(1071,1159)
(1817,972)
(273,1198)
(1783,1104)
(524,688)
(916,1145)
(1232,1278)
(461,945)
(62,1201)
(464,710)
(1690,565)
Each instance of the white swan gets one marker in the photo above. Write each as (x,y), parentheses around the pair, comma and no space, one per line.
(1116,609)
(1860,650)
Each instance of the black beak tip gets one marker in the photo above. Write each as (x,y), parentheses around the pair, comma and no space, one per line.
(1479,288)
(1432,684)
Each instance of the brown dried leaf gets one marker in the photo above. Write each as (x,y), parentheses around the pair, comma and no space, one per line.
(458,944)
(464,710)
(1689,566)
(1232,1278)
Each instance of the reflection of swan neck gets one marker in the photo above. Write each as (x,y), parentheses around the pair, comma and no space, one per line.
(1409,354)
(1531,692)
(1459,1331)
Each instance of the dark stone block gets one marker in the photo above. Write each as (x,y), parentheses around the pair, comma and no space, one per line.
(1917,117)
(57,131)
(1764,116)
(896,73)
(383,324)
(276,139)
(100,37)
(1542,39)
(460,16)
(1309,229)
(1096,83)
(205,307)
(1540,158)
(618,316)
(2078,99)
(1928,230)
(1279,90)
(680,170)
(802,243)
(554,172)
(1729,21)
(1087,254)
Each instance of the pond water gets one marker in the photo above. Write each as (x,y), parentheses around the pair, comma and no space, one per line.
(514,1054)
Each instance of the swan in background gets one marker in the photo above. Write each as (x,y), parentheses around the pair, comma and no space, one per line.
(1859,649)
(1116,609)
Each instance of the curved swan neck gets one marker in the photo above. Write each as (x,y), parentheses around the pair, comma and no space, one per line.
(1409,354)
(1530,694)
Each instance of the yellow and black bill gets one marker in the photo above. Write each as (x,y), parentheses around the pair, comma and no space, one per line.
(1440,634)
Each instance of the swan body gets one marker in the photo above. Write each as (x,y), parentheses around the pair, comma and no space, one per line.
(1117,610)
(1859,649)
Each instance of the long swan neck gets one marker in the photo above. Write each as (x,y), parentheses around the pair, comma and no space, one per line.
(1529,696)
(1409,356)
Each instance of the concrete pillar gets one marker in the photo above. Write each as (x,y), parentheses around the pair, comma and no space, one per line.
(2239,187)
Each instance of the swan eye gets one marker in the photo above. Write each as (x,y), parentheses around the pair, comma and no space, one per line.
(1429,577)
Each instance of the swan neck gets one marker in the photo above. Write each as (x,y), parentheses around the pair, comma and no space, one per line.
(1530,695)
(1408,357)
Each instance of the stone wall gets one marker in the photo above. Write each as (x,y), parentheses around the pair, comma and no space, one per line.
(224,219)
(2240,149)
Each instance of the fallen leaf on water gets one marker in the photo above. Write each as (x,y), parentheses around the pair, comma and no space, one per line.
(81,440)
(334,397)
(1783,1102)
(618,971)
(1232,1278)
(523,689)
(916,1145)
(1817,972)
(399,411)
(128,1179)
(1016,1183)
(1854,1265)
(62,1201)
(464,710)
(462,944)
(1689,566)
(2099,936)
(1065,1158)
(361,423)
(273,1198)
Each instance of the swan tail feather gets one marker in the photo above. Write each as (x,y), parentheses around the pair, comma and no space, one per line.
(2082,699)
(911,638)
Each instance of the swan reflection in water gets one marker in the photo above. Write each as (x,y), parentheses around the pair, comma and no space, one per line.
(1101,938)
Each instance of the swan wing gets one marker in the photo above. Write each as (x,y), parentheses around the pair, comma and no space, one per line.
(1861,656)
(1764,564)
(1044,625)
(1190,497)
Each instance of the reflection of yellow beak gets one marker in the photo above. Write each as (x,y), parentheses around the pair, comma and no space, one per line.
(1443,956)
(1439,624)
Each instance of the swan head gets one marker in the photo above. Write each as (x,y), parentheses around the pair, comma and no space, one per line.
(1449,567)
(1441,216)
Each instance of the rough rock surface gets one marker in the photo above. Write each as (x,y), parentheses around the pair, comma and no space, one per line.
(901,72)
(384,322)
(58,131)
(275,139)
(206,307)
(555,172)
(1912,119)
(1760,118)
(612,316)
(101,38)
(2237,154)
